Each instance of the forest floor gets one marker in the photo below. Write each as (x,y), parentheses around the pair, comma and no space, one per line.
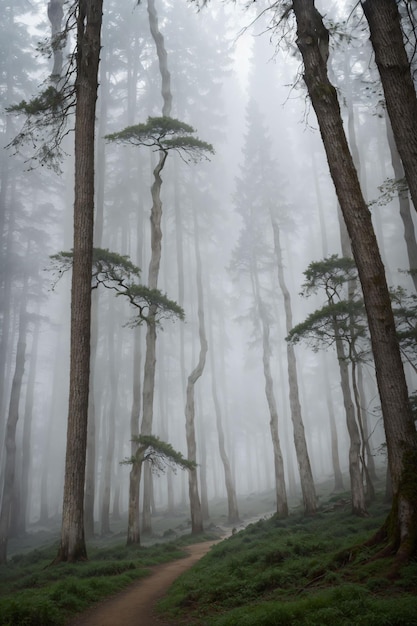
(137,604)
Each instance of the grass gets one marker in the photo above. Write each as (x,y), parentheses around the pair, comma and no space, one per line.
(303,571)
(34,594)
(300,571)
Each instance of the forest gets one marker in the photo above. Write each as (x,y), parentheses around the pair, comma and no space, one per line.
(208,273)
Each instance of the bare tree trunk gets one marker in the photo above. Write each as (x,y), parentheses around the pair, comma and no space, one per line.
(370,491)
(90,480)
(312,40)
(205,514)
(232,505)
(280,490)
(27,431)
(304,466)
(405,208)
(338,477)
(10,442)
(370,463)
(133,528)
(394,69)
(55,15)
(156,238)
(195,504)
(111,410)
(356,484)
(89,19)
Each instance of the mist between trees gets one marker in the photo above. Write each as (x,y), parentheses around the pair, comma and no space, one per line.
(166,207)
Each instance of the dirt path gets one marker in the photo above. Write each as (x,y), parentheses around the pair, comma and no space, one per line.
(136,605)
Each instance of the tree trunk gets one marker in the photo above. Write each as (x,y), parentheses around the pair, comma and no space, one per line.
(114,357)
(356,484)
(280,490)
(27,430)
(394,69)
(133,529)
(11,425)
(92,435)
(205,513)
(195,504)
(312,40)
(300,443)
(405,209)
(338,477)
(232,505)
(89,18)
(55,15)
(364,447)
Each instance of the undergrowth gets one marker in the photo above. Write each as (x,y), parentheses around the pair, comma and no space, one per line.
(304,571)
(33,593)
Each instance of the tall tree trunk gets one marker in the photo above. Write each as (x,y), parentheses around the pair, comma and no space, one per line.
(133,528)
(405,208)
(394,69)
(232,504)
(356,484)
(195,504)
(338,477)
(55,15)
(280,490)
(90,479)
(364,449)
(312,40)
(27,431)
(156,238)
(10,442)
(111,410)
(202,446)
(89,19)
(300,443)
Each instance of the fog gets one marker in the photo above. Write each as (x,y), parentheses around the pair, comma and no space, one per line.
(239,84)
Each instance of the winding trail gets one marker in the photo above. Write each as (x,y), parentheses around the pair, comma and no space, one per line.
(135,606)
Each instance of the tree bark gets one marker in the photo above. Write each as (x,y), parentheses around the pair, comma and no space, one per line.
(27,430)
(55,15)
(405,209)
(312,40)
(195,504)
(156,239)
(356,484)
(394,69)
(89,19)
(300,443)
(280,489)
(114,357)
(11,425)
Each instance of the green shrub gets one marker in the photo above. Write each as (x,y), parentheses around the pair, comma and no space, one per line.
(31,611)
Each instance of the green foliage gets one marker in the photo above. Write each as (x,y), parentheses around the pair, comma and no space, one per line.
(159,454)
(343,316)
(289,572)
(330,274)
(115,271)
(145,300)
(33,594)
(51,99)
(29,610)
(151,132)
(346,317)
(165,133)
(45,126)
